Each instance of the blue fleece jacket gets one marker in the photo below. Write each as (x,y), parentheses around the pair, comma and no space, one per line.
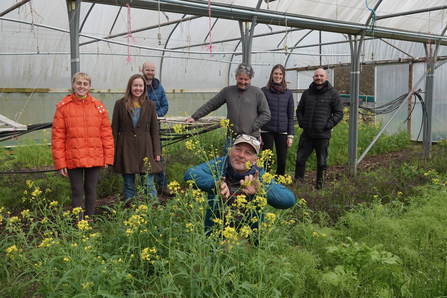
(156,93)
(207,174)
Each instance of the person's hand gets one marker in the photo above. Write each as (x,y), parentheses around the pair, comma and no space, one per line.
(224,190)
(105,166)
(189,120)
(63,172)
(157,158)
(251,184)
(289,142)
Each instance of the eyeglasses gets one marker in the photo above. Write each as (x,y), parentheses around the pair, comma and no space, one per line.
(250,139)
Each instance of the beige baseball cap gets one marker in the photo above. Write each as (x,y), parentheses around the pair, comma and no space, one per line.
(243,138)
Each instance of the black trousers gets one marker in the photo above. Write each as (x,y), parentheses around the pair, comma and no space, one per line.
(306,146)
(280,141)
(80,184)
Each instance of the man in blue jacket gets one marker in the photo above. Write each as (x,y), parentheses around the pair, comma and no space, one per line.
(233,182)
(318,111)
(156,93)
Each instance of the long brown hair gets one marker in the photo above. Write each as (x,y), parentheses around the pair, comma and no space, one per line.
(283,82)
(128,94)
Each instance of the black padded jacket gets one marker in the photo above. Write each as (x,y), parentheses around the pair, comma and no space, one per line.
(319,110)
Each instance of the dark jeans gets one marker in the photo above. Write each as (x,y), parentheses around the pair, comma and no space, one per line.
(305,148)
(80,184)
(280,141)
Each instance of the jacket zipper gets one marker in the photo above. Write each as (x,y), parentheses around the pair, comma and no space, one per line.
(85,138)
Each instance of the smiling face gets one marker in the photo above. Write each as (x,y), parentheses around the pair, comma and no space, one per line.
(240,154)
(137,88)
(148,71)
(277,76)
(320,77)
(242,80)
(81,87)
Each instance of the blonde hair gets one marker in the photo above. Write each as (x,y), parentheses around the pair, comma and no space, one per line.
(81,75)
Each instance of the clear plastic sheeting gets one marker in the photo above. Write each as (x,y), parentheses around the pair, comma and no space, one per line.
(38,57)
(35,46)
(392,81)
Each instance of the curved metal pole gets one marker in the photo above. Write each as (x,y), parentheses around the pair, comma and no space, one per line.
(291,50)
(86,16)
(17,5)
(166,44)
(231,59)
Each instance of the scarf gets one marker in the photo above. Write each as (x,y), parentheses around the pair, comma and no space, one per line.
(277,88)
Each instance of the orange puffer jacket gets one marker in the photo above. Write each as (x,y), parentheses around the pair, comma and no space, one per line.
(82,135)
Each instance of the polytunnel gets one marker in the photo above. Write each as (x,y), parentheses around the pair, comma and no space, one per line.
(196,45)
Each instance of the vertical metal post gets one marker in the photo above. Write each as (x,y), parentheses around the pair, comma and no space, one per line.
(74,12)
(355,46)
(410,100)
(429,85)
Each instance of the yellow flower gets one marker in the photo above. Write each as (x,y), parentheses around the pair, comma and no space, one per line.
(314,234)
(303,202)
(241,201)
(83,225)
(174,186)
(245,231)
(190,145)
(11,250)
(229,233)
(225,122)
(218,221)
(270,217)
(25,213)
(77,210)
(29,183)
(36,192)
(13,220)
(46,242)
(67,259)
(178,128)
(53,204)
(248,165)
(189,227)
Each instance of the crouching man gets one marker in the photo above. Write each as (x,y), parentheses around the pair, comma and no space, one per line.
(233,184)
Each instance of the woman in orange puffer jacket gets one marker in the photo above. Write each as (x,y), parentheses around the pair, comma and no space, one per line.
(82,142)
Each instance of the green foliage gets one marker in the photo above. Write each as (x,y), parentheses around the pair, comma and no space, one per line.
(360,267)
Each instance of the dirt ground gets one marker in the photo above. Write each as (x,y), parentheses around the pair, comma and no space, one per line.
(369,163)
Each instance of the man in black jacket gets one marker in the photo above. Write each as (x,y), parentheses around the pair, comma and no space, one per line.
(318,111)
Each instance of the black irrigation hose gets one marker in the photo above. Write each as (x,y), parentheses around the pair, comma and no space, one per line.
(7,135)
(393,106)
(29,172)
(169,139)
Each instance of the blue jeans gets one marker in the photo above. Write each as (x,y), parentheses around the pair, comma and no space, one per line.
(305,148)
(147,180)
